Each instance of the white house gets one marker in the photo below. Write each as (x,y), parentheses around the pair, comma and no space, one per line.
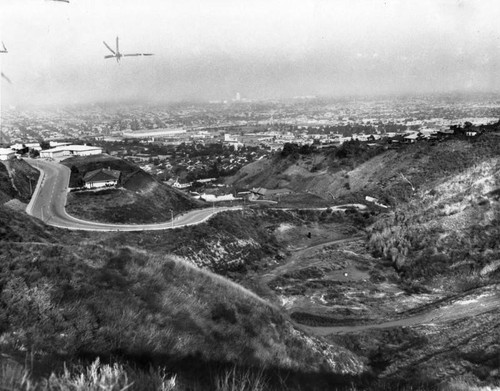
(412,137)
(101,178)
(175,183)
(215,198)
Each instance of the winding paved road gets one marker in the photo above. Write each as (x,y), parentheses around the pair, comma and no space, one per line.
(49,200)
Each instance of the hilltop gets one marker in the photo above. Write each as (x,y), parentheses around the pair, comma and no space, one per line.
(139,198)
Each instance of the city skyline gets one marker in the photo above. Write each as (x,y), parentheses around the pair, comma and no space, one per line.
(273,49)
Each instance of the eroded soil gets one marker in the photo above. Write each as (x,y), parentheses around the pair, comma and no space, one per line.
(334,288)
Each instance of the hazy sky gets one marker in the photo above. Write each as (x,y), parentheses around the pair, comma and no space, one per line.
(211,49)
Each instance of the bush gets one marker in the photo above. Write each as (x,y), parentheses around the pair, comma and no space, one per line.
(95,377)
(238,380)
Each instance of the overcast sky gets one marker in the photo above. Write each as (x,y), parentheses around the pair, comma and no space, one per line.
(211,49)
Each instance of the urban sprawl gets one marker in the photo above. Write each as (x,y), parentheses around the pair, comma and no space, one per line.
(184,143)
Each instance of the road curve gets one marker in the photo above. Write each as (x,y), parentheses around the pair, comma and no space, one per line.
(49,200)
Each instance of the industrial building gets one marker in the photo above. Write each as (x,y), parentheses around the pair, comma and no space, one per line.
(6,153)
(70,150)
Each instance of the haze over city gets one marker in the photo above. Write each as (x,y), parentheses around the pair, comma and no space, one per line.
(261,49)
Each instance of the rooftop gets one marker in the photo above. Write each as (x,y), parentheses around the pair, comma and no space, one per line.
(101,174)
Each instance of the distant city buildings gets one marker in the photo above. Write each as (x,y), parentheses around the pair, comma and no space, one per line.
(154,133)
(265,125)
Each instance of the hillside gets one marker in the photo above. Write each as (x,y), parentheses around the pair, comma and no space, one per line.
(306,169)
(428,266)
(139,198)
(67,295)
(17,180)
(400,298)
(447,229)
(386,174)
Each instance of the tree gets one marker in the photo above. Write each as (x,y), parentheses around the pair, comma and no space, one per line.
(45,144)
(289,149)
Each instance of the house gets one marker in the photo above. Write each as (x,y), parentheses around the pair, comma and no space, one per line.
(216,198)
(411,138)
(6,153)
(19,146)
(101,178)
(267,194)
(175,183)
(206,180)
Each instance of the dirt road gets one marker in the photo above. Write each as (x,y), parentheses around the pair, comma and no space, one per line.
(478,302)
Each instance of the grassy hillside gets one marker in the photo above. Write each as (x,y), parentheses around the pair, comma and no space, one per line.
(67,295)
(307,170)
(137,298)
(438,241)
(17,180)
(391,175)
(139,198)
(447,229)
(234,244)
(7,191)
(281,172)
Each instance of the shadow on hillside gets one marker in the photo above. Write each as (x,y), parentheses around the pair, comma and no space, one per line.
(199,372)
(195,373)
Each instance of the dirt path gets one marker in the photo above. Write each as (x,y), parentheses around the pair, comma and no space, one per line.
(476,302)
(299,254)
(481,301)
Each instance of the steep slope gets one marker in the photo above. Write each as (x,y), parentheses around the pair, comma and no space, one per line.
(17,180)
(67,294)
(7,191)
(139,199)
(436,250)
(391,175)
(447,228)
(295,173)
